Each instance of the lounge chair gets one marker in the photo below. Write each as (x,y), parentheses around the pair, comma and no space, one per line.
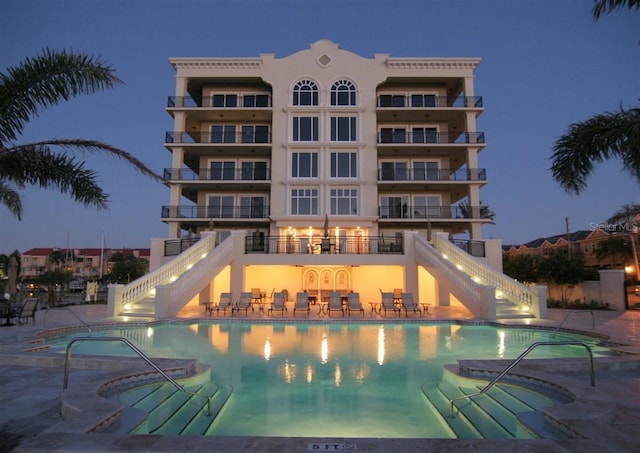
(27,311)
(335,302)
(225,303)
(279,303)
(353,303)
(388,304)
(243,304)
(409,304)
(302,303)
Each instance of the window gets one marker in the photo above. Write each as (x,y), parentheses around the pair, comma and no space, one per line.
(392,100)
(224,100)
(424,135)
(426,206)
(304,165)
(423,100)
(223,133)
(220,207)
(344,165)
(343,92)
(305,129)
(394,207)
(393,135)
(304,201)
(305,93)
(343,128)
(426,171)
(223,170)
(254,171)
(255,100)
(252,207)
(255,134)
(394,171)
(344,201)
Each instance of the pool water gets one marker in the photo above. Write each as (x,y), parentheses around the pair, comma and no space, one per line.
(331,379)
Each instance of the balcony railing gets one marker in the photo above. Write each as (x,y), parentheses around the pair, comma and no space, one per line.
(425,174)
(473,248)
(218,137)
(429,212)
(428,137)
(320,245)
(207,174)
(215,212)
(247,101)
(426,101)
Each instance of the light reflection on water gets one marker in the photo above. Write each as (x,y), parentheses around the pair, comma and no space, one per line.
(356,380)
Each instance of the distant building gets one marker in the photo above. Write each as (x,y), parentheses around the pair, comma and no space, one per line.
(83,263)
(584,241)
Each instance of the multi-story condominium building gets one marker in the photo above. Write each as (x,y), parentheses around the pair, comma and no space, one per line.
(327,171)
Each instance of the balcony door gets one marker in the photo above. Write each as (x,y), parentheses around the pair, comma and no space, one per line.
(393,207)
(220,207)
(394,171)
(426,170)
(253,207)
(222,170)
(427,207)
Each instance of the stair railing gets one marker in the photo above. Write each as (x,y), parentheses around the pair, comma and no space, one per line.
(593,319)
(518,359)
(44,319)
(142,355)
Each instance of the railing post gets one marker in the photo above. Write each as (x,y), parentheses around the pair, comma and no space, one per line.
(114,299)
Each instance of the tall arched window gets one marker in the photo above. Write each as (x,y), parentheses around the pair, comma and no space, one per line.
(305,93)
(343,92)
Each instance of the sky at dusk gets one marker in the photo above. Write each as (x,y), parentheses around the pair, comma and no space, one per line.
(545,64)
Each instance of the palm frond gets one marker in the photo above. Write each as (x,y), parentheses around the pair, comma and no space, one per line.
(11,199)
(601,7)
(36,165)
(600,137)
(45,80)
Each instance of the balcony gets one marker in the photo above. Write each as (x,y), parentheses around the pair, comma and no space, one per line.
(217,213)
(419,101)
(246,101)
(226,138)
(321,246)
(426,174)
(422,137)
(208,174)
(407,212)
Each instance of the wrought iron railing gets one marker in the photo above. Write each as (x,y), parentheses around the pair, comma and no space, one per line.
(424,174)
(215,212)
(320,245)
(429,137)
(174,247)
(427,101)
(235,137)
(473,248)
(208,174)
(246,101)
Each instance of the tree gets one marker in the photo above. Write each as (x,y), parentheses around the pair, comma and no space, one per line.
(53,280)
(127,268)
(563,269)
(601,137)
(614,247)
(38,83)
(626,220)
(523,268)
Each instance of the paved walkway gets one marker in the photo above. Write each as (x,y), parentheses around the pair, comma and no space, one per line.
(31,397)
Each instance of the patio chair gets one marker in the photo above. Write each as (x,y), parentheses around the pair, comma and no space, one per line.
(243,304)
(256,295)
(279,303)
(353,303)
(397,296)
(335,302)
(302,303)
(225,303)
(409,304)
(388,304)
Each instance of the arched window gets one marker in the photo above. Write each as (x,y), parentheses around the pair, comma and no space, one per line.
(343,92)
(305,93)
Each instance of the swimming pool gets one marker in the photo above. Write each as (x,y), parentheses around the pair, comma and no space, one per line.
(330,379)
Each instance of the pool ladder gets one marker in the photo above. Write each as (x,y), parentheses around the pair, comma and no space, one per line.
(593,319)
(134,348)
(72,312)
(518,359)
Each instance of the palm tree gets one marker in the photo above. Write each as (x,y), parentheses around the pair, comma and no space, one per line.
(604,136)
(25,89)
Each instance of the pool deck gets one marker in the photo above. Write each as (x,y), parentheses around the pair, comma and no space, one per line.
(610,413)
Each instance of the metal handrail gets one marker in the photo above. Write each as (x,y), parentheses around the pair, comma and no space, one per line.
(593,319)
(134,348)
(44,319)
(518,359)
